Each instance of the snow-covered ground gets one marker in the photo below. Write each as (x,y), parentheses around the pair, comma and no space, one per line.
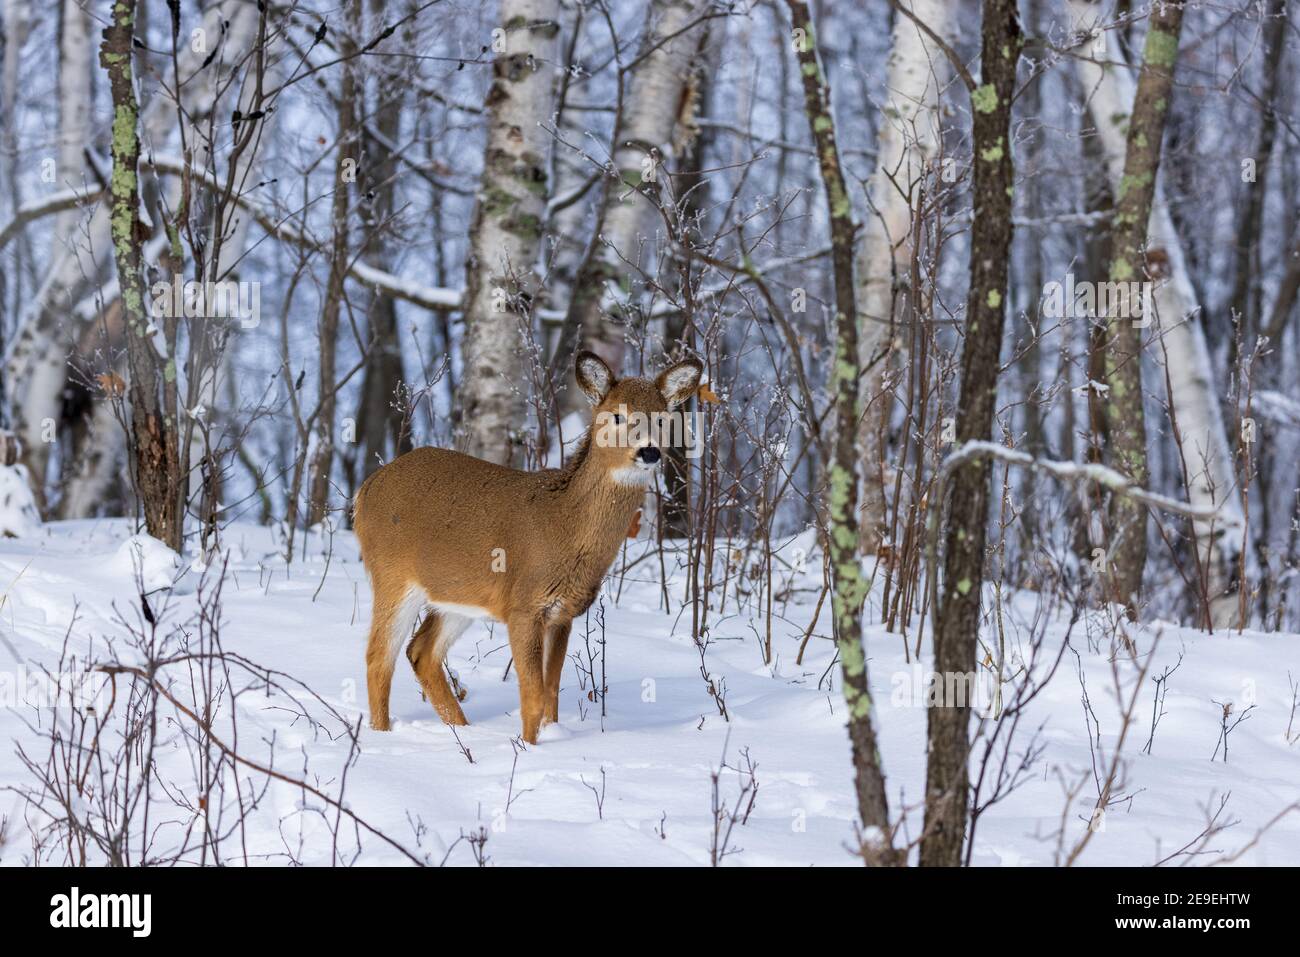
(636,786)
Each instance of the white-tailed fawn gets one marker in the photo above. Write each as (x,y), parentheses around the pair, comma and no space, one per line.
(448,538)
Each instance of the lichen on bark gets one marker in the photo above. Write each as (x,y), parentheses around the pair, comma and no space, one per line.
(850,588)
(1122,409)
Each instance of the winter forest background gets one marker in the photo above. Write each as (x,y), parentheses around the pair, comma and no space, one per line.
(900,234)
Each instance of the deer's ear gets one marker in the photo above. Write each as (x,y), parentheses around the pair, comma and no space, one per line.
(594,377)
(678,382)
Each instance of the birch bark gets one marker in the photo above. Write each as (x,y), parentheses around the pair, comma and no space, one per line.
(505,235)
(625,219)
(36,367)
(905,144)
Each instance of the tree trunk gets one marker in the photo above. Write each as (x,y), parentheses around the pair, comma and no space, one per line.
(1100,198)
(905,146)
(850,586)
(379,419)
(344,175)
(93,477)
(1285,299)
(90,462)
(154,435)
(505,234)
(956,628)
(218,258)
(574,194)
(75,104)
(642,149)
(1246,293)
(36,367)
(1122,405)
(1193,391)
(678,327)
(16,28)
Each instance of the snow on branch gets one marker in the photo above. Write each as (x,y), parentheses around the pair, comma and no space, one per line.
(1066,471)
(397,286)
(430,297)
(1072,471)
(59,202)
(1278,408)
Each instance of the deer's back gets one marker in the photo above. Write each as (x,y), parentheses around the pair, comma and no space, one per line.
(455,524)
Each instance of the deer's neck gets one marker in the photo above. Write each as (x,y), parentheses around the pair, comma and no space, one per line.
(601,509)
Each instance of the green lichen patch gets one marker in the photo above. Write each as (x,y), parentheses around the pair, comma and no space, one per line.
(1161,48)
(984,99)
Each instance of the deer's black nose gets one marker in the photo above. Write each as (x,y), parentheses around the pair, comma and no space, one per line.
(649,455)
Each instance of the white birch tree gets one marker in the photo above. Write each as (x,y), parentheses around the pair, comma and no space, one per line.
(643,144)
(905,146)
(505,236)
(36,367)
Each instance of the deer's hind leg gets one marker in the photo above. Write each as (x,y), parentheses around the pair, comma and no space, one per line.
(391,622)
(427,652)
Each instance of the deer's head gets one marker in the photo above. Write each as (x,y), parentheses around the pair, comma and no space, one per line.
(634,419)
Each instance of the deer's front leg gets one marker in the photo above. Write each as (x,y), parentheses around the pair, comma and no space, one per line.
(527,634)
(557,645)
